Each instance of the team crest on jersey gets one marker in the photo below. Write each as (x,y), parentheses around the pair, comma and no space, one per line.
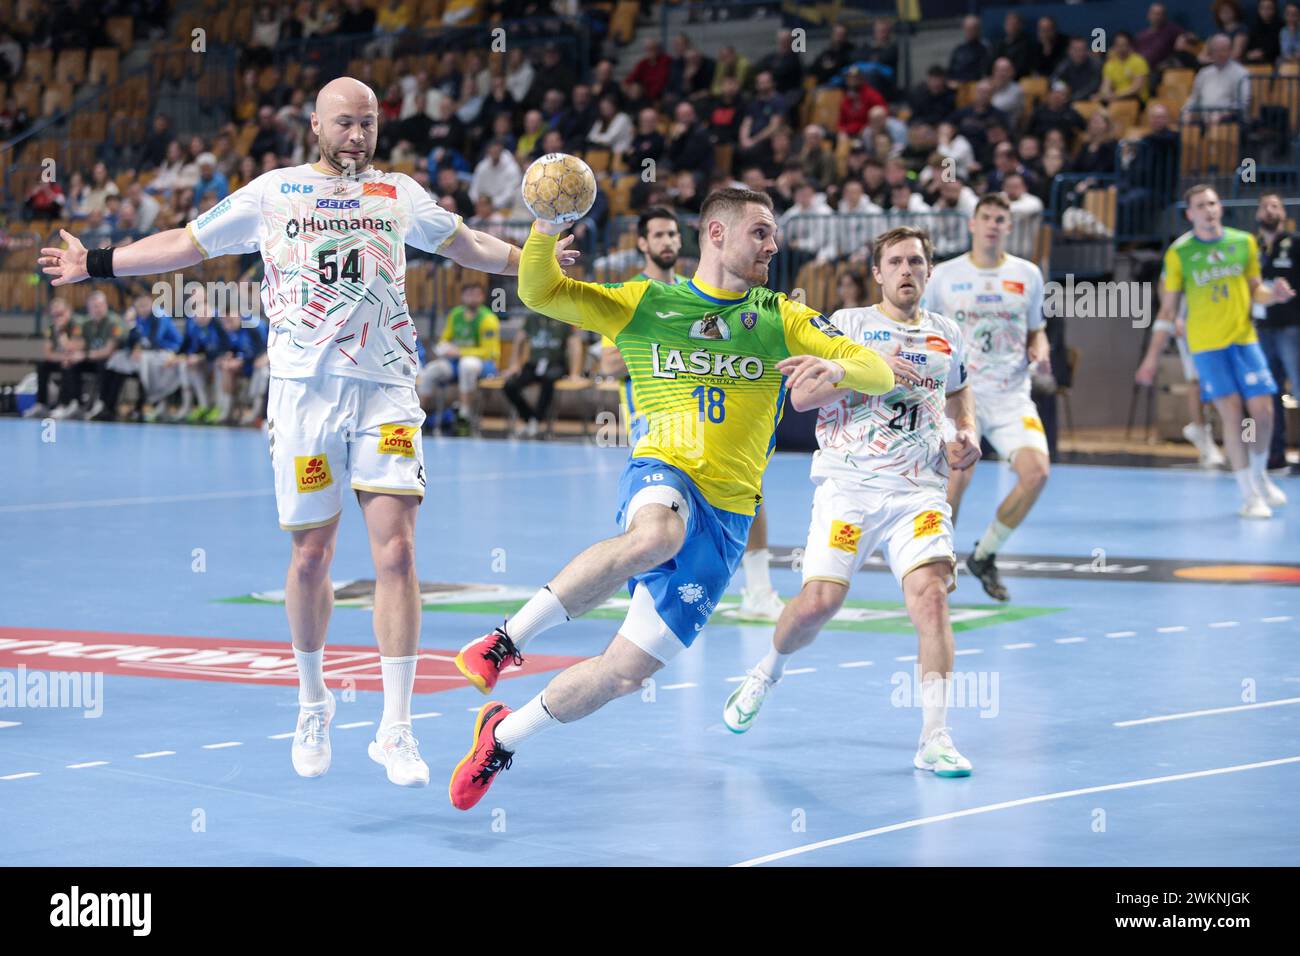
(711,327)
(749,320)
(313,472)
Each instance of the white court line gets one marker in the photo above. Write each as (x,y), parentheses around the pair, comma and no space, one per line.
(356,723)
(857,664)
(1171,629)
(1276,620)
(21,776)
(906,657)
(88,763)
(155,753)
(432,713)
(1018,647)
(800,670)
(1070,640)
(223,745)
(282,736)
(736,680)
(1007,804)
(682,686)
(1203,713)
(1122,634)
(10,723)
(968,650)
(1225,624)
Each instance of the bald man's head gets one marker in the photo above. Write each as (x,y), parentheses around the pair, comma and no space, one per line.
(346,123)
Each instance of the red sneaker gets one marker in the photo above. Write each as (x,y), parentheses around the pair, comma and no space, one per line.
(482,661)
(486,758)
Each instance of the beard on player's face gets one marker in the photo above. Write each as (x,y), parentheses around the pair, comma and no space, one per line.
(665,258)
(338,156)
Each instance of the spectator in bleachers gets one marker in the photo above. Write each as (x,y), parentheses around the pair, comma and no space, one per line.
(575,121)
(486,219)
(1221,90)
(817,160)
(1056,112)
(781,154)
(1126,73)
(1030,151)
(146,207)
(786,67)
(880,53)
(932,101)
(1006,162)
(468,348)
(559,74)
(450,184)
(851,292)
(689,146)
(1054,163)
(904,199)
(651,71)
(953,145)
(13,119)
(730,63)
(974,121)
(96,233)
(528,141)
(1016,45)
(1026,217)
(1080,70)
(94,339)
(807,231)
(499,102)
(390,107)
(782,186)
(74,206)
(603,84)
(309,20)
(146,354)
(211,179)
(539,356)
(449,138)
(101,186)
(855,107)
(193,359)
(1007,95)
(1264,42)
(126,224)
(497,176)
(356,18)
(973,57)
(691,72)
(265,33)
(1229,22)
(955,195)
(60,352)
(1148,174)
(838,54)
(246,172)
(552,142)
(1155,44)
(873,176)
(1095,156)
(612,128)
(1289,37)
(11,56)
(856,221)
(765,113)
(270,137)
(1048,49)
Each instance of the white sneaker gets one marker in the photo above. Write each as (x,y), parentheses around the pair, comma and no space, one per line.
(744,703)
(937,754)
(765,605)
(67,410)
(1273,496)
(1255,507)
(532,428)
(94,409)
(397,749)
(1202,440)
(35,411)
(311,740)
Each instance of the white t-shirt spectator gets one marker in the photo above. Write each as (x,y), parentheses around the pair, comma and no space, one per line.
(617,135)
(810,229)
(959,150)
(1224,87)
(498,181)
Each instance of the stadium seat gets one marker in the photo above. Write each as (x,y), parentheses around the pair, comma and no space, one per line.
(965,94)
(826,108)
(1124,114)
(1176,85)
(1035,89)
(121,30)
(103,66)
(622,25)
(1100,203)
(39,66)
(70,67)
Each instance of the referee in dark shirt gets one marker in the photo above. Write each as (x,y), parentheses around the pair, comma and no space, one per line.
(1279,325)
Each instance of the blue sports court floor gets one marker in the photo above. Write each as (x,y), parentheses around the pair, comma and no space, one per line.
(1139,703)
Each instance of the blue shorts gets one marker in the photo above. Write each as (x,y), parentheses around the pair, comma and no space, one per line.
(1239,369)
(688,586)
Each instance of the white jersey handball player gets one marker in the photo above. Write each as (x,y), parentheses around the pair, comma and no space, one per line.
(343,411)
(997,300)
(881,472)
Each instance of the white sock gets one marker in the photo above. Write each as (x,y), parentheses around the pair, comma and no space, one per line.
(934,705)
(1245,482)
(542,612)
(311,683)
(530,719)
(1259,468)
(223,403)
(399,682)
(773,665)
(995,536)
(755,563)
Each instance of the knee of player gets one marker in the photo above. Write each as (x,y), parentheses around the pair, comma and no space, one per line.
(927,597)
(1036,474)
(655,540)
(311,559)
(395,557)
(818,602)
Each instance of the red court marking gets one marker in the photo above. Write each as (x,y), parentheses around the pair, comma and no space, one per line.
(220,659)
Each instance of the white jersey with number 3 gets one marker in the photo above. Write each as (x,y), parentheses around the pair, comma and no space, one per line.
(997,309)
(334,249)
(893,441)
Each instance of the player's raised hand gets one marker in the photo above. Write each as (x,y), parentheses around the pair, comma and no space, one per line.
(66,265)
(810,371)
(564,254)
(905,373)
(963,451)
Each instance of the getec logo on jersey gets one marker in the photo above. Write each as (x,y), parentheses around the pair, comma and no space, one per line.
(313,472)
(338,203)
(397,440)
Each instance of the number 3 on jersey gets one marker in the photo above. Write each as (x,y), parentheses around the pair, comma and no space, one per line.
(716,409)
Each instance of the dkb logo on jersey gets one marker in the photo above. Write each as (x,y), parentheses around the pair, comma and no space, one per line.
(313,472)
(397,440)
(927,523)
(845,536)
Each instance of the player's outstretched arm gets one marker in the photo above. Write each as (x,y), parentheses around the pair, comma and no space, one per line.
(161,252)
(547,290)
(808,332)
(486,253)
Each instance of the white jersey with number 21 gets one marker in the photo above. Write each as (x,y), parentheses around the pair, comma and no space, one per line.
(334,250)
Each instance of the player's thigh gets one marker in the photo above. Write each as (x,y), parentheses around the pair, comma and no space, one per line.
(1216,373)
(920,534)
(1251,370)
(390,519)
(309,454)
(1010,423)
(627,662)
(312,549)
(842,532)
(387,449)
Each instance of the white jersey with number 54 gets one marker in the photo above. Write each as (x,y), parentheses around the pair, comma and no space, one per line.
(334,249)
(997,309)
(893,441)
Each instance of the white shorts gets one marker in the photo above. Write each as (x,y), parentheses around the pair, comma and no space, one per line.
(331,432)
(1010,422)
(911,528)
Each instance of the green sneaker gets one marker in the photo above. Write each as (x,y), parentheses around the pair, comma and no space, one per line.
(213,417)
(197,415)
(936,753)
(744,703)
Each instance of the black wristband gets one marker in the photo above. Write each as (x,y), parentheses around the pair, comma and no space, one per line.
(99,263)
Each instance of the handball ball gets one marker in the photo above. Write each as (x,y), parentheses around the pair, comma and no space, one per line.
(559,188)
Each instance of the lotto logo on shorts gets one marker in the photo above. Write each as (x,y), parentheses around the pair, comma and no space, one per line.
(845,536)
(1033,424)
(927,523)
(397,440)
(313,472)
